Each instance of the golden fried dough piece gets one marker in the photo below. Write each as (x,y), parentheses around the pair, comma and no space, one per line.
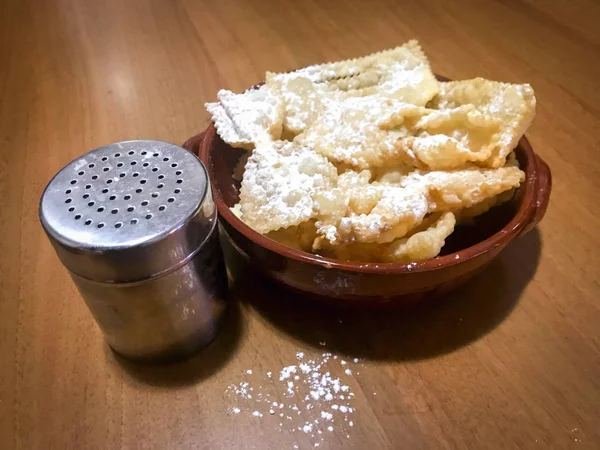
(396,211)
(466,215)
(463,188)
(300,237)
(423,244)
(375,213)
(226,128)
(374,131)
(356,131)
(301,98)
(335,205)
(382,212)
(446,140)
(244,119)
(402,73)
(279,183)
(485,117)
(391,174)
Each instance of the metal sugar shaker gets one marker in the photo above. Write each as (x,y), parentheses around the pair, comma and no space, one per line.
(135,224)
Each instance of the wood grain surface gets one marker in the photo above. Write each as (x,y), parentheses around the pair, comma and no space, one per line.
(512,360)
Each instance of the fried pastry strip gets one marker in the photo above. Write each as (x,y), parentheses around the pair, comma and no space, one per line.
(463,188)
(484,117)
(382,212)
(244,119)
(279,183)
(422,244)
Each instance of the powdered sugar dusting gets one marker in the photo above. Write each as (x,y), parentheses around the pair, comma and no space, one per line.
(286,371)
(308,394)
(280,181)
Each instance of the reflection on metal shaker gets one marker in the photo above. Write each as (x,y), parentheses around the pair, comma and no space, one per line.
(135,224)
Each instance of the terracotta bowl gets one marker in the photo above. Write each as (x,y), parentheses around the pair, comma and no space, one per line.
(466,251)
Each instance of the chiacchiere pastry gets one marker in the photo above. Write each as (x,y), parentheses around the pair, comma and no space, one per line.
(373,159)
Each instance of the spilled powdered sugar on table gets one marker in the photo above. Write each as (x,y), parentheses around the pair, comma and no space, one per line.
(316,402)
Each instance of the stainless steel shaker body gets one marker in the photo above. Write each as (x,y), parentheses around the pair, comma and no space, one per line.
(135,224)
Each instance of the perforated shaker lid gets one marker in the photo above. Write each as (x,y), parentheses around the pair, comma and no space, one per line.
(129,210)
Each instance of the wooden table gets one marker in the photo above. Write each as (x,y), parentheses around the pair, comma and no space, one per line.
(509,361)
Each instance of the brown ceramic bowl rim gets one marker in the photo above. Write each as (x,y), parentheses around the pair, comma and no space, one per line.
(521,219)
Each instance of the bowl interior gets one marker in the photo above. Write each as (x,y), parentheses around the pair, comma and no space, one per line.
(221,160)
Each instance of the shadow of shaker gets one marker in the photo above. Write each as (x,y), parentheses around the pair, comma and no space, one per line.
(197,367)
